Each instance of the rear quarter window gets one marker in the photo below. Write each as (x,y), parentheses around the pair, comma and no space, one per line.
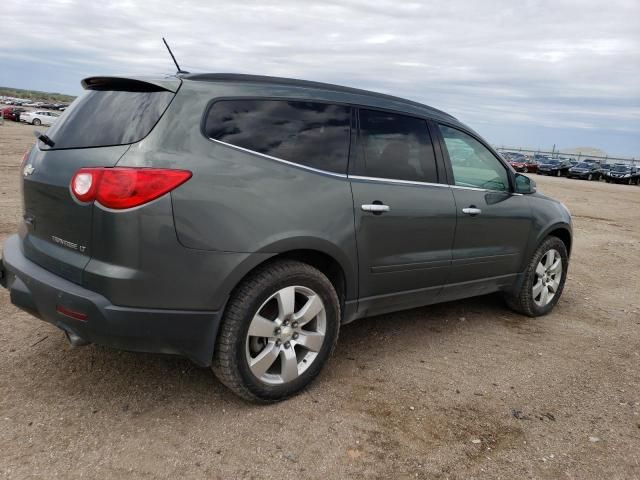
(308,133)
(101,118)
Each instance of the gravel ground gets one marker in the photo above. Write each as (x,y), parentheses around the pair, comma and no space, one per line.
(460,390)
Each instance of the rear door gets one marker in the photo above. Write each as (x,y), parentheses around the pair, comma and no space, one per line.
(94,132)
(405,218)
(493,222)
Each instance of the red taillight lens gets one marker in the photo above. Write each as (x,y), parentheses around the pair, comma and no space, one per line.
(124,187)
(25,156)
(71,313)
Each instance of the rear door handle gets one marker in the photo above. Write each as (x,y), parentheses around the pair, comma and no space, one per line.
(473,211)
(375,207)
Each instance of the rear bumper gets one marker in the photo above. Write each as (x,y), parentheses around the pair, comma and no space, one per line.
(40,293)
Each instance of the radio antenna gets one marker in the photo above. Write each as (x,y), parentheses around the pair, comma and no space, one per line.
(173,58)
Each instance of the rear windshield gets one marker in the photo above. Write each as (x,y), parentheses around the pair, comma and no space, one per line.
(100,118)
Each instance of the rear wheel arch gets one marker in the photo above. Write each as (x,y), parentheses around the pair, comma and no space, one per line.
(339,274)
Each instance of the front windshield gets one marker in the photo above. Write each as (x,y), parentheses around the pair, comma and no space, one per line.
(553,162)
(620,168)
(582,165)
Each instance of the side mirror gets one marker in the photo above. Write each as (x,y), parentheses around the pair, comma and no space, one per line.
(524,184)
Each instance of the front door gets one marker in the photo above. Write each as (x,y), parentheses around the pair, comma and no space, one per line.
(405,219)
(493,222)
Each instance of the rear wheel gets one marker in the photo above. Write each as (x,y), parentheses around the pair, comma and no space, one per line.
(36,122)
(279,329)
(544,280)
(559,174)
(590,177)
(525,170)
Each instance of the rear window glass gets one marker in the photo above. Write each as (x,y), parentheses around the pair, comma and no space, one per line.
(397,147)
(100,118)
(309,133)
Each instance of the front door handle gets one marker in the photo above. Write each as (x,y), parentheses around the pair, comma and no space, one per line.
(377,208)
(473,211)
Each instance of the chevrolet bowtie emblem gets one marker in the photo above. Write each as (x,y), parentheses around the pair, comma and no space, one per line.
(28,170)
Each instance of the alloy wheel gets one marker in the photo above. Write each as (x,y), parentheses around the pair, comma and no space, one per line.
(547,278)
(285,335)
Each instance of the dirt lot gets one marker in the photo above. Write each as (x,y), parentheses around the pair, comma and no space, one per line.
(461,390)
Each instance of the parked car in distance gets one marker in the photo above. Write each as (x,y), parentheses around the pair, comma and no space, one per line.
(39,117)
(524,165)
(585,171)
(12,113)
(240,220)
(623,173)
(604,169)
(555,167)
(540,158)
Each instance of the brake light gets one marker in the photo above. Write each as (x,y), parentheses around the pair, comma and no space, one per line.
(25,156)
(124,187)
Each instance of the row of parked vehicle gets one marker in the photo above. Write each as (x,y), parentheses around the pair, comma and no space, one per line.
(28,103)
(586,169)
(34,117)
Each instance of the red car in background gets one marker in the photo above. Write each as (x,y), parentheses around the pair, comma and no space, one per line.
(12,113)
(524,165)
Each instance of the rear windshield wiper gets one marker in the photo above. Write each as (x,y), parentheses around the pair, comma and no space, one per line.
(43,138)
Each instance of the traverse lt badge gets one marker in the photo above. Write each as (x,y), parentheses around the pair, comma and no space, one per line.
(28,170)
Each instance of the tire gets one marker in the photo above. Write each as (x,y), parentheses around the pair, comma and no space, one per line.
(36,122)
(525,170)
(525,300)
(559,174)
(264,292)
(590,177)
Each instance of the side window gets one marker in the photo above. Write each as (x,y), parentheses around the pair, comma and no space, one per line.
(308,133)
(472,163)
(396,147)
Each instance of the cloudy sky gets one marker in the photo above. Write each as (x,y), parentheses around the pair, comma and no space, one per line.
(531,73)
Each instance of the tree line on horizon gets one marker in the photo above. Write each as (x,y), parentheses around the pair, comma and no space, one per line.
(36,95)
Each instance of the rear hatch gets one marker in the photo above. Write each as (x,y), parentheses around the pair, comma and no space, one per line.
(95,131)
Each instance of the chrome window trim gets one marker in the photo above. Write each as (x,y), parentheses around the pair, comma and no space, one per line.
(393,180)
(281,160)
(476,189)
(351,177)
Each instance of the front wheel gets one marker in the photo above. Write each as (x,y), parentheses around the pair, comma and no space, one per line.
(36,122)
(278,331)
(590,177)
(559,174)
(544,280)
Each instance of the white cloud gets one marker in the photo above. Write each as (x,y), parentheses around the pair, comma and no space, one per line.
(561,63)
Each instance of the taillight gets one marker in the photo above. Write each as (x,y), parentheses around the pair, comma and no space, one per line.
(24,157)
(124,187)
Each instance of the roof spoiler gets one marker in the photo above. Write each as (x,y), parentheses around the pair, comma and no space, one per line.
(132,84)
